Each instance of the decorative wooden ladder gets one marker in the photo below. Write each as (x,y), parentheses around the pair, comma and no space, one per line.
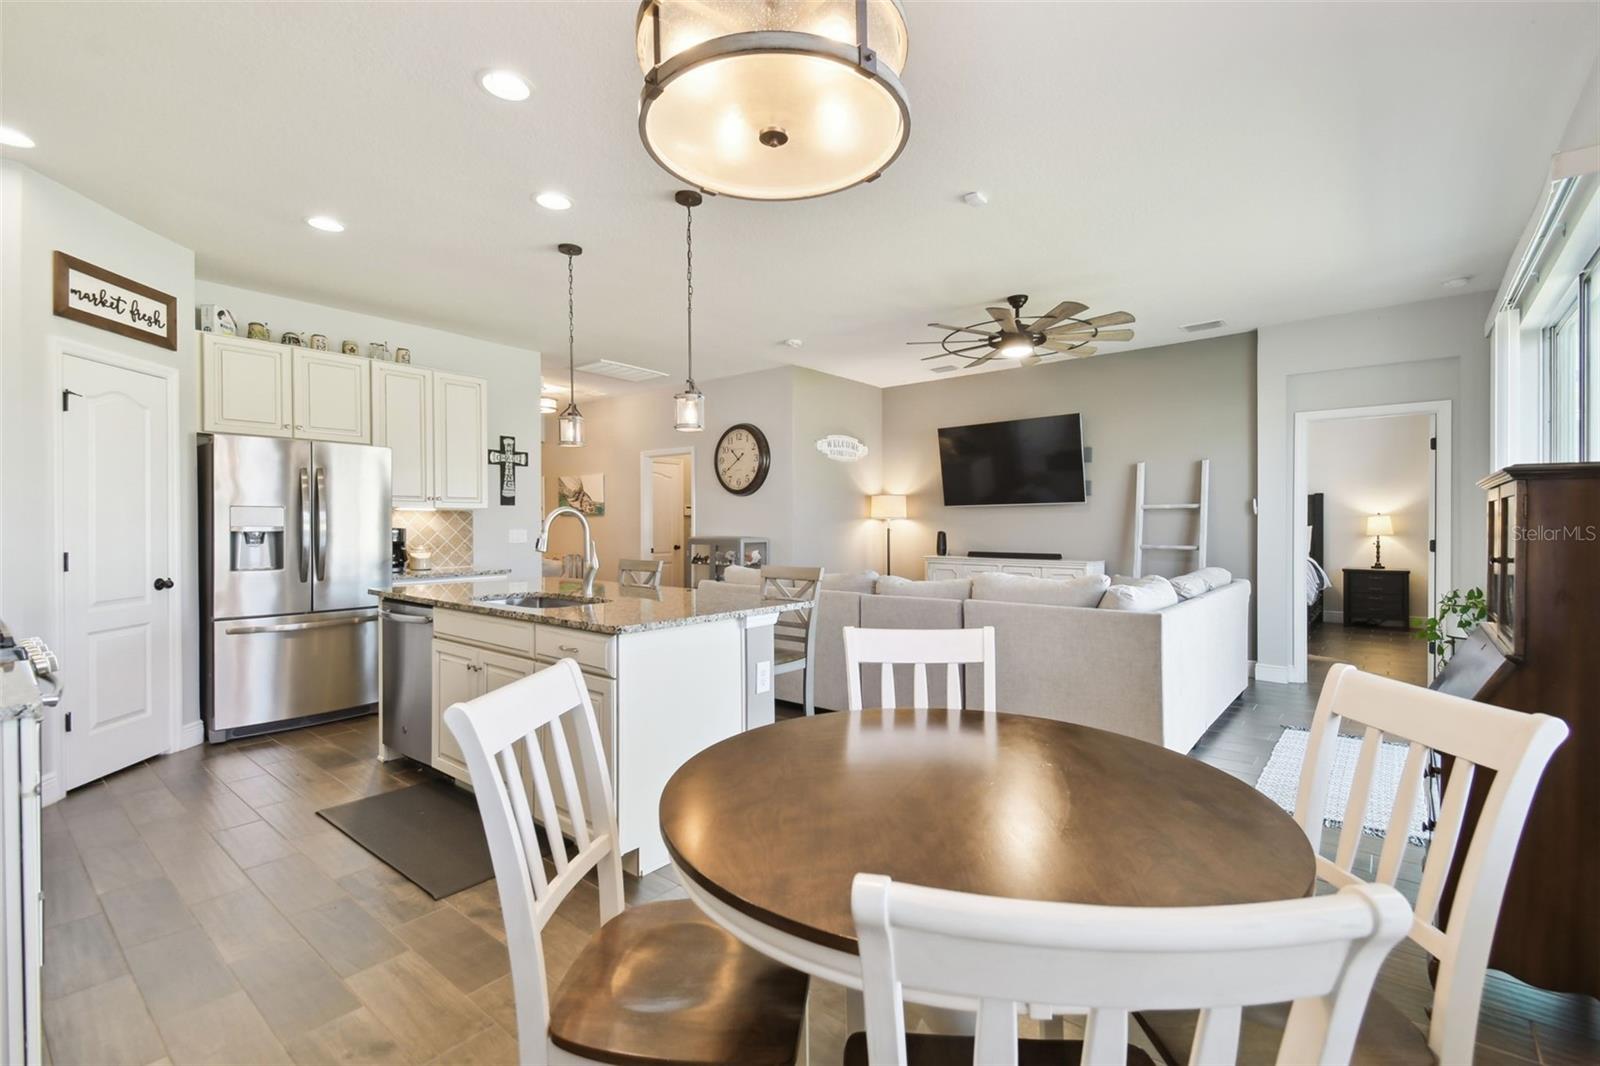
(1203,506)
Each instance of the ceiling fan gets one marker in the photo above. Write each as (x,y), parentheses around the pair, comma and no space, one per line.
(1028,339)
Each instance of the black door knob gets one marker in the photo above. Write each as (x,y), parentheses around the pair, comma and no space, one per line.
(163,583)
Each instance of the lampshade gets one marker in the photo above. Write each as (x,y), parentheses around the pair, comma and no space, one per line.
(888,506)
(548,405)
(690,405)
(1379,525)
(779,100)
(571,426)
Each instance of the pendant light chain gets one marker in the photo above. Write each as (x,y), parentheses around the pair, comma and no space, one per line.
(688,241)
(572,386)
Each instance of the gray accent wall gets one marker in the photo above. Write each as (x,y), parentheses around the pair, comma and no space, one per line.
(1168,406)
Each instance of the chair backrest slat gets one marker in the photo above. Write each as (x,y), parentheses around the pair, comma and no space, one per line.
(639,573)
(532,713)
(1515,745)
(888,648)
(1001,954)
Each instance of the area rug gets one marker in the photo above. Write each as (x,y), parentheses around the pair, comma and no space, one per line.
(430,833)
(1280,782)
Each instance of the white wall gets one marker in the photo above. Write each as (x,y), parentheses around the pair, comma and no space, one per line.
(37,218)
(1168,407)
(512,373)
(1433,350)
(1366,466)
(812,509)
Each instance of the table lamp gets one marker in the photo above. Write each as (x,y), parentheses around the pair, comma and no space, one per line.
(1378,527)
(888,508)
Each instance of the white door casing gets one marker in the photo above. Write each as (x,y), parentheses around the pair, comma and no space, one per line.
(116,489)
(666,521)
(652,533)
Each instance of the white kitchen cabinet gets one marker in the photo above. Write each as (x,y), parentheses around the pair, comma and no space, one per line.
(246,386)
(461,673)
(460,441)
(402,421)
(435,425)
(332,396)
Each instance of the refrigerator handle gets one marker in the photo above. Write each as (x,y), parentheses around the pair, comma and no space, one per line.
(322,524)
(305,524)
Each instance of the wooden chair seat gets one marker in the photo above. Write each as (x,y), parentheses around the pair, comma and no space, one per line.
(1387,1036)
(783,654)
(661,983)
(929,1049)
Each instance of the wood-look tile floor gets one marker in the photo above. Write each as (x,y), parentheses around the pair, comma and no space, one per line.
(198,911)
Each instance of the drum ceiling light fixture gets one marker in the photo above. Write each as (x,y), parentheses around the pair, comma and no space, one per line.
(781,100)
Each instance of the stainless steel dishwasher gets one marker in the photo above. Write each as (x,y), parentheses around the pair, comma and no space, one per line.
(407,699)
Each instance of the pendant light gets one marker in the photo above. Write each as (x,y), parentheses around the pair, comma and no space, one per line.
(548,404)
(780,100)
(571,420)
(691,402)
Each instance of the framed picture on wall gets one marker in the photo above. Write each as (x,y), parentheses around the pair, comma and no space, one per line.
(96,297)
(583,492)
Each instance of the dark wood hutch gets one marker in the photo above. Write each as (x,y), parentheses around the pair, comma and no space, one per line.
(1539,651)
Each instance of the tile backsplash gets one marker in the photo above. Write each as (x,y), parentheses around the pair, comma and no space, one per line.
(448,534)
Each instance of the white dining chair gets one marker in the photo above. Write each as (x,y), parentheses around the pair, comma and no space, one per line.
(919,648)
(658,981)
(794,636)
(639,573)
(1515,746)
(1005,956)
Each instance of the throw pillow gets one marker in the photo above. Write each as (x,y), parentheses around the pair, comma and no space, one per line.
(1150,594)
(1189,586)
(959,588)
(1019,588)
(1215,576)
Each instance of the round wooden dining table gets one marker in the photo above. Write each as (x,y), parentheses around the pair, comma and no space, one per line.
(768,828)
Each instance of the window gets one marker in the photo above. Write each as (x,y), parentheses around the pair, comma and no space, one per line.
(1572,376)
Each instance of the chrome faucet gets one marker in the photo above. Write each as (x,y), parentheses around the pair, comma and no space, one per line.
(591,559)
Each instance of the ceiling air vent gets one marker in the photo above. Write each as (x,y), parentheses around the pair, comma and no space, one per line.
(1201,327)
(945,369)
(610,368)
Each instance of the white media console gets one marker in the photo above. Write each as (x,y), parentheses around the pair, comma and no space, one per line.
(938,567)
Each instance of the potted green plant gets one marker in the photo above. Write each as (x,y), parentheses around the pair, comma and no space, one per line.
(1459,613)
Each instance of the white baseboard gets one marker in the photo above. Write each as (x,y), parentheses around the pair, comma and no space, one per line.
(1276,675)
(191,733)
(49,788)
(1333,617)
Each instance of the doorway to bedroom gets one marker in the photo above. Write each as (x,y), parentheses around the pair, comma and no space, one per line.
(1372,537)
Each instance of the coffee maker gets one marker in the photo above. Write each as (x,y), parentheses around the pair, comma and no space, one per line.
(398,542)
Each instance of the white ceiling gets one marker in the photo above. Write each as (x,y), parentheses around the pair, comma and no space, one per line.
(1254,163)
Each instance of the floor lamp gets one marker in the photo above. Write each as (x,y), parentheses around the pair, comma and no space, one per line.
(888,508)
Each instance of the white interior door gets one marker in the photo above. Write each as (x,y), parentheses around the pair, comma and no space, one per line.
(666,518)
(117,512)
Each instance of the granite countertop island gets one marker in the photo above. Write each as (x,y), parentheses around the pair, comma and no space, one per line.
(615,609)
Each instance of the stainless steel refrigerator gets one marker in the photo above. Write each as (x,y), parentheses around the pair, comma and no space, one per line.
(292,535)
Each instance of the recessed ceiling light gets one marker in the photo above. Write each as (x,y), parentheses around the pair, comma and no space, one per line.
(325,224)
(1457,283)
(975,198)
(505,84)
(794,342)
(551,200)
(13,138)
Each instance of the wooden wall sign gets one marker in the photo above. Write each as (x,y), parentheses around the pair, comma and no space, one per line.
(97,297)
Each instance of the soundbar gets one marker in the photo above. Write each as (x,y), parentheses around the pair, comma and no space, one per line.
(1013,555)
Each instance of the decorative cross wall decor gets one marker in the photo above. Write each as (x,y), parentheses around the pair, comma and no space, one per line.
(507,458)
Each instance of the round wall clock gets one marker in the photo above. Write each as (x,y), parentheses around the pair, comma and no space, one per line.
(742,459)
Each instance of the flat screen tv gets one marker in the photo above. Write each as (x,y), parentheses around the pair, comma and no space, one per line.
(1027,460)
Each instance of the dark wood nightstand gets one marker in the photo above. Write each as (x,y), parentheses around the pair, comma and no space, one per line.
(1377,597)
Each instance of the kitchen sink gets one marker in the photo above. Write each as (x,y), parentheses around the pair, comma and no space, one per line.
(541,599)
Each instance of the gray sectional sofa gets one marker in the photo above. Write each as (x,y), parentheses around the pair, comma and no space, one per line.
(1160,675)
